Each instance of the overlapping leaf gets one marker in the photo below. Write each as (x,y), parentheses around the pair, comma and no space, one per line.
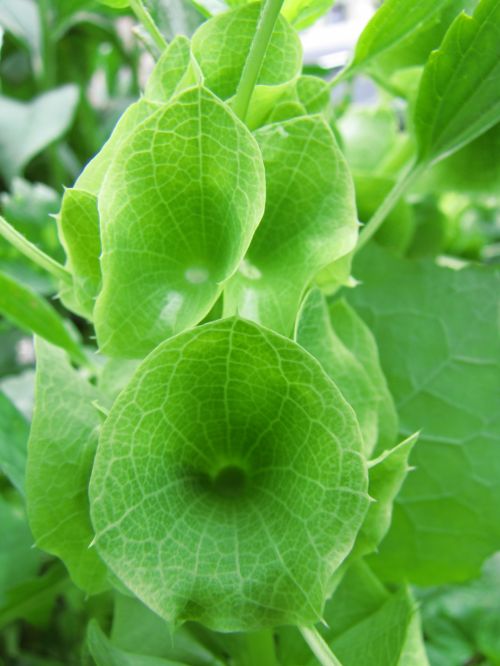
(309,221)
(178,208)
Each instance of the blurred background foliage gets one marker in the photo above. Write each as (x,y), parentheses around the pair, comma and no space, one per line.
(68,69)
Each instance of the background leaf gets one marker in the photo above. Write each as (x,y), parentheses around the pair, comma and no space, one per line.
(61,449)
(437,333)
(14,431)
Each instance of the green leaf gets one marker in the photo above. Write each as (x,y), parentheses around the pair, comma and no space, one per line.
(309,221)
(61,449)
(106,654)
(303,13)
(221,46)
(18,560)
(356,335)
(233,453)
(175,70)
(25,308)
(394,21)
(21,18)
(193,176)
(116,4)
(78,225)
(316,334)
(34,599)
(386,475)
(14,431)
(437,334)
(366,625)
(29,127)
(459,98)
(134,624)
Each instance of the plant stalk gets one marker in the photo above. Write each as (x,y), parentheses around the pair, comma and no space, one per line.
(33,253)
(268,17)
(319,647)
(146,19)
(373,224)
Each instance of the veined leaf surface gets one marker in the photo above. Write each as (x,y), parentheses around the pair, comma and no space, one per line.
(178,208)
(228,483)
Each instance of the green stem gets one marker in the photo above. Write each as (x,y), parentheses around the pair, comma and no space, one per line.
(146,19)
(253,64)
(48,57)
(373,224)
(33,253)
(319,647)
(345,73)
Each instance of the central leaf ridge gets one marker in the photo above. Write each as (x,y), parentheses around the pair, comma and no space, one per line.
(229,483)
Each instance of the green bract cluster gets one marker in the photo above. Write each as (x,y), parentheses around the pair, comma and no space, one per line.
(235,458)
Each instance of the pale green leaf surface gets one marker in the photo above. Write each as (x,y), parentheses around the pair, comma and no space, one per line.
(60,453)
(221,46)
(178,209)
(92,177)
(29,127)
(368,135)
(336,275)
(106,654)
(14,431)
(413,50)
(21,18)
(315,333)
(31,312)
(356,335)
(78,225)
(437,334)
(309,221)
(459,94)
(237,457)
(303,13)
(174,71)
(386,476)
(394,21)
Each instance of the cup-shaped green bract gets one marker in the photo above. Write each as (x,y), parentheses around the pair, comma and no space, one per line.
(178,207)
(229,483)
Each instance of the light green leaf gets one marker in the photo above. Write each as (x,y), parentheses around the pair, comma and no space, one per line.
(25,308)
(60,453)
(356,335)
(106,654)
(316,334)
(414,48)
(303,13)
(368,135)
(386,475)
(310,220)
(394,21)
(175,70)
(233,453)
(116,4)
(29,127)
(192,175)
(92,177)
(459,97)
(437,333)
(78,225)
(221,46)
(14,431)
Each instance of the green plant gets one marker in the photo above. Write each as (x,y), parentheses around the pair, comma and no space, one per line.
(232,469)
